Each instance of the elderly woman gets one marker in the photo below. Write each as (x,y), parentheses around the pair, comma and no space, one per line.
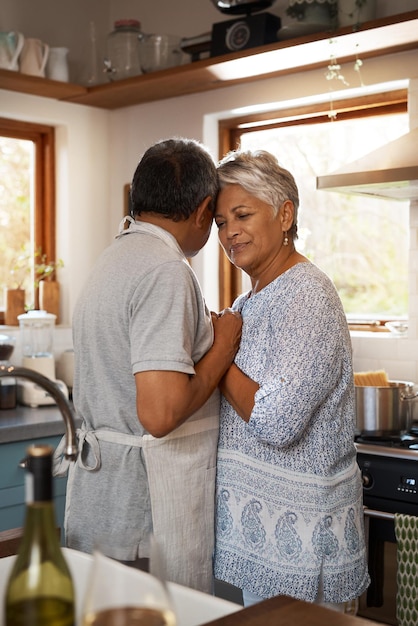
(289,494)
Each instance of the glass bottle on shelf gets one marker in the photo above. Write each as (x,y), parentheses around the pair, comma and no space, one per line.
(123,50)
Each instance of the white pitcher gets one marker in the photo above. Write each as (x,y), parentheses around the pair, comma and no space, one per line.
(33,57)
(11,45)
(57,66)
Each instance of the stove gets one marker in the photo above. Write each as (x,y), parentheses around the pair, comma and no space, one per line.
(389,468)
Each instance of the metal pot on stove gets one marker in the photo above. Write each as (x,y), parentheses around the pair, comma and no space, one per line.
(385,411)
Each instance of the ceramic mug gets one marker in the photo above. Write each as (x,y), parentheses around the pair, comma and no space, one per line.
(57,65)
(33,57)
(11,45)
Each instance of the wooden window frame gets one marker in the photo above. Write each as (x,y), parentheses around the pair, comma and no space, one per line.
(43,137)
(231,129)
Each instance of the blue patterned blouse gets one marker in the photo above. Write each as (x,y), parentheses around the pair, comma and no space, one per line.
(289,493)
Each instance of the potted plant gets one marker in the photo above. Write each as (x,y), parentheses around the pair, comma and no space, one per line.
(320,12)
(44,269)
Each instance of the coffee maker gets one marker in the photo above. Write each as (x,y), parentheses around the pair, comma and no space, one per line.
(37,335)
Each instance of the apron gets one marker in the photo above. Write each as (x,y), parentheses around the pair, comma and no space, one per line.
(181,470)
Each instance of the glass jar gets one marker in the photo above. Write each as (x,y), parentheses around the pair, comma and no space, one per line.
(123,50)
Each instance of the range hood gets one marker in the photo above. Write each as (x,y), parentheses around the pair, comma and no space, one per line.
(388,172)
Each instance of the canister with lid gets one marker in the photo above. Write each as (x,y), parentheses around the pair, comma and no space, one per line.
(123,50)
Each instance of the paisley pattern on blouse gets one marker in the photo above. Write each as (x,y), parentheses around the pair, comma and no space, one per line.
(289,544)
(253,530)
(324,540)
(351,533)
(289,492)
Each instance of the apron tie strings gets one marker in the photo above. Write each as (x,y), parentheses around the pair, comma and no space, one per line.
(91,438)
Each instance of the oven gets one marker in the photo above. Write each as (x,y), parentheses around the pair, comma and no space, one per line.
(390,485)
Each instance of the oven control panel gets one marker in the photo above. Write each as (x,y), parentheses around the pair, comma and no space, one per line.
(390,479)
(408,484)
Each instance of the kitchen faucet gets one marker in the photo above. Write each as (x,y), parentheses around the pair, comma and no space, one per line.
(56,393)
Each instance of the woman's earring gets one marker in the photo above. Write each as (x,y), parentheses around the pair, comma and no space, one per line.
(286,239)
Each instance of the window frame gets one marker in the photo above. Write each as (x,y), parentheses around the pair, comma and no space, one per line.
(43,137)
(231,129)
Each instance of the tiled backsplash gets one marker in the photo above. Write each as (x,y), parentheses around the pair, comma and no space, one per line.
(397,356)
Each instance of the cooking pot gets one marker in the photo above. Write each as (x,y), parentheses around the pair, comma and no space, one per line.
(385,411)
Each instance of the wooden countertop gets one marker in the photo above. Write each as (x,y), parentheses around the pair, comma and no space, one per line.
(285,611)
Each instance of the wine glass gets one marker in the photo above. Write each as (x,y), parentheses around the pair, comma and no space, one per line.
(119,595)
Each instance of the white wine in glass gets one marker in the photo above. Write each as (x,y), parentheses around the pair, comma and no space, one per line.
(118,595)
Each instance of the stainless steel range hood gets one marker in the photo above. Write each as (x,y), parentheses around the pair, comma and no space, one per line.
(388,172)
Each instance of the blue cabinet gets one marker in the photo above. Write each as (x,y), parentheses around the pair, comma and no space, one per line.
(12,484)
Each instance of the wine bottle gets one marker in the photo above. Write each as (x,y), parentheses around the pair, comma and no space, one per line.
(40,589)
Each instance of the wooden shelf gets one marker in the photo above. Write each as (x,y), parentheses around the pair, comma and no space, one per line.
(396,33)
(36,86)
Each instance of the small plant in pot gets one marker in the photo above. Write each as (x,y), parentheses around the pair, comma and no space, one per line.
(45,281)
(44,269)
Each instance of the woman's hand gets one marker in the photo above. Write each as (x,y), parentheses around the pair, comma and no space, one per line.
(227,326)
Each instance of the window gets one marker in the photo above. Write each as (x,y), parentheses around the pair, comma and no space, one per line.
(27,201)
(361,243)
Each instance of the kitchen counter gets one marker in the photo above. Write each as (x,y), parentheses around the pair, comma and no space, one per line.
(284,611)
(24,423)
